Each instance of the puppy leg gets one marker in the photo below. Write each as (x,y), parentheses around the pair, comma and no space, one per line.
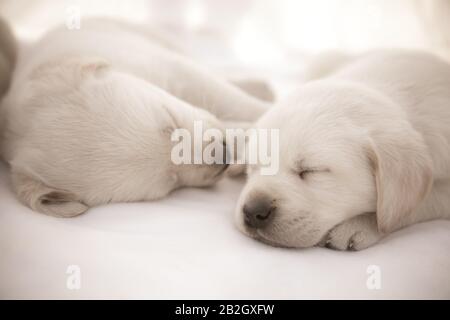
(173,71)
(355,234)
(361,231)
(184,79)
(202,89)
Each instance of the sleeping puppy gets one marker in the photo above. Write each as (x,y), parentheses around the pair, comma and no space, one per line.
(363,152)
(90,112)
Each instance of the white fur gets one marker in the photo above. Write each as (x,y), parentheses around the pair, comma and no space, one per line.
(376,135)
(90,113)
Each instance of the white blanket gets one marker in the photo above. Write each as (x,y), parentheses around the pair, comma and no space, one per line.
(187,247)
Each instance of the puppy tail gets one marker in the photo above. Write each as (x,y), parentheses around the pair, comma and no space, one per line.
(325,64)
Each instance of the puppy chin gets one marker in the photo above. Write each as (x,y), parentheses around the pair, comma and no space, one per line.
(261,236)
(272,243)
(256,234)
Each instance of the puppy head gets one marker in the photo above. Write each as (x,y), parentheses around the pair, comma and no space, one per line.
(198,146)
(87,134)
(343,152)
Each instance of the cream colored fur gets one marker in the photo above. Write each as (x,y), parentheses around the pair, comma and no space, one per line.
(90,113)
(364,151)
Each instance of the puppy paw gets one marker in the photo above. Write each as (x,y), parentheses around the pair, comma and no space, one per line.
(354,234)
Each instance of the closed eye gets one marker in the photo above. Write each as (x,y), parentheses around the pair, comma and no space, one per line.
(303,173)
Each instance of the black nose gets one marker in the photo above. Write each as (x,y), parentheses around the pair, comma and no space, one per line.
(258,212)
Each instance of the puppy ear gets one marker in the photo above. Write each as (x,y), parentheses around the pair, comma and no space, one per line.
(44,199)
(403,173)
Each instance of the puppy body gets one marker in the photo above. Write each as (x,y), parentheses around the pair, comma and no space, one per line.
(363,152)
(90,113)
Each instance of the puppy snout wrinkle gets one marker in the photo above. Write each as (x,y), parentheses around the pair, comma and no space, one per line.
(258,212)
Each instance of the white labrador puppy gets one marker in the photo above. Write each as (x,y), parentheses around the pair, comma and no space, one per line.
(363,152)
(89,116)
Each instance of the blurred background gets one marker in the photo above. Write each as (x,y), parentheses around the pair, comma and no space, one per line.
(258,36)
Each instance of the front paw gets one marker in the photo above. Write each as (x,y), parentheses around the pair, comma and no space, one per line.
(355,234)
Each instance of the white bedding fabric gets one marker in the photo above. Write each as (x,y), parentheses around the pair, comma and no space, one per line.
(186,247)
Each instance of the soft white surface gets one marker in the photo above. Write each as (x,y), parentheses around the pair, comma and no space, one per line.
(186,247)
